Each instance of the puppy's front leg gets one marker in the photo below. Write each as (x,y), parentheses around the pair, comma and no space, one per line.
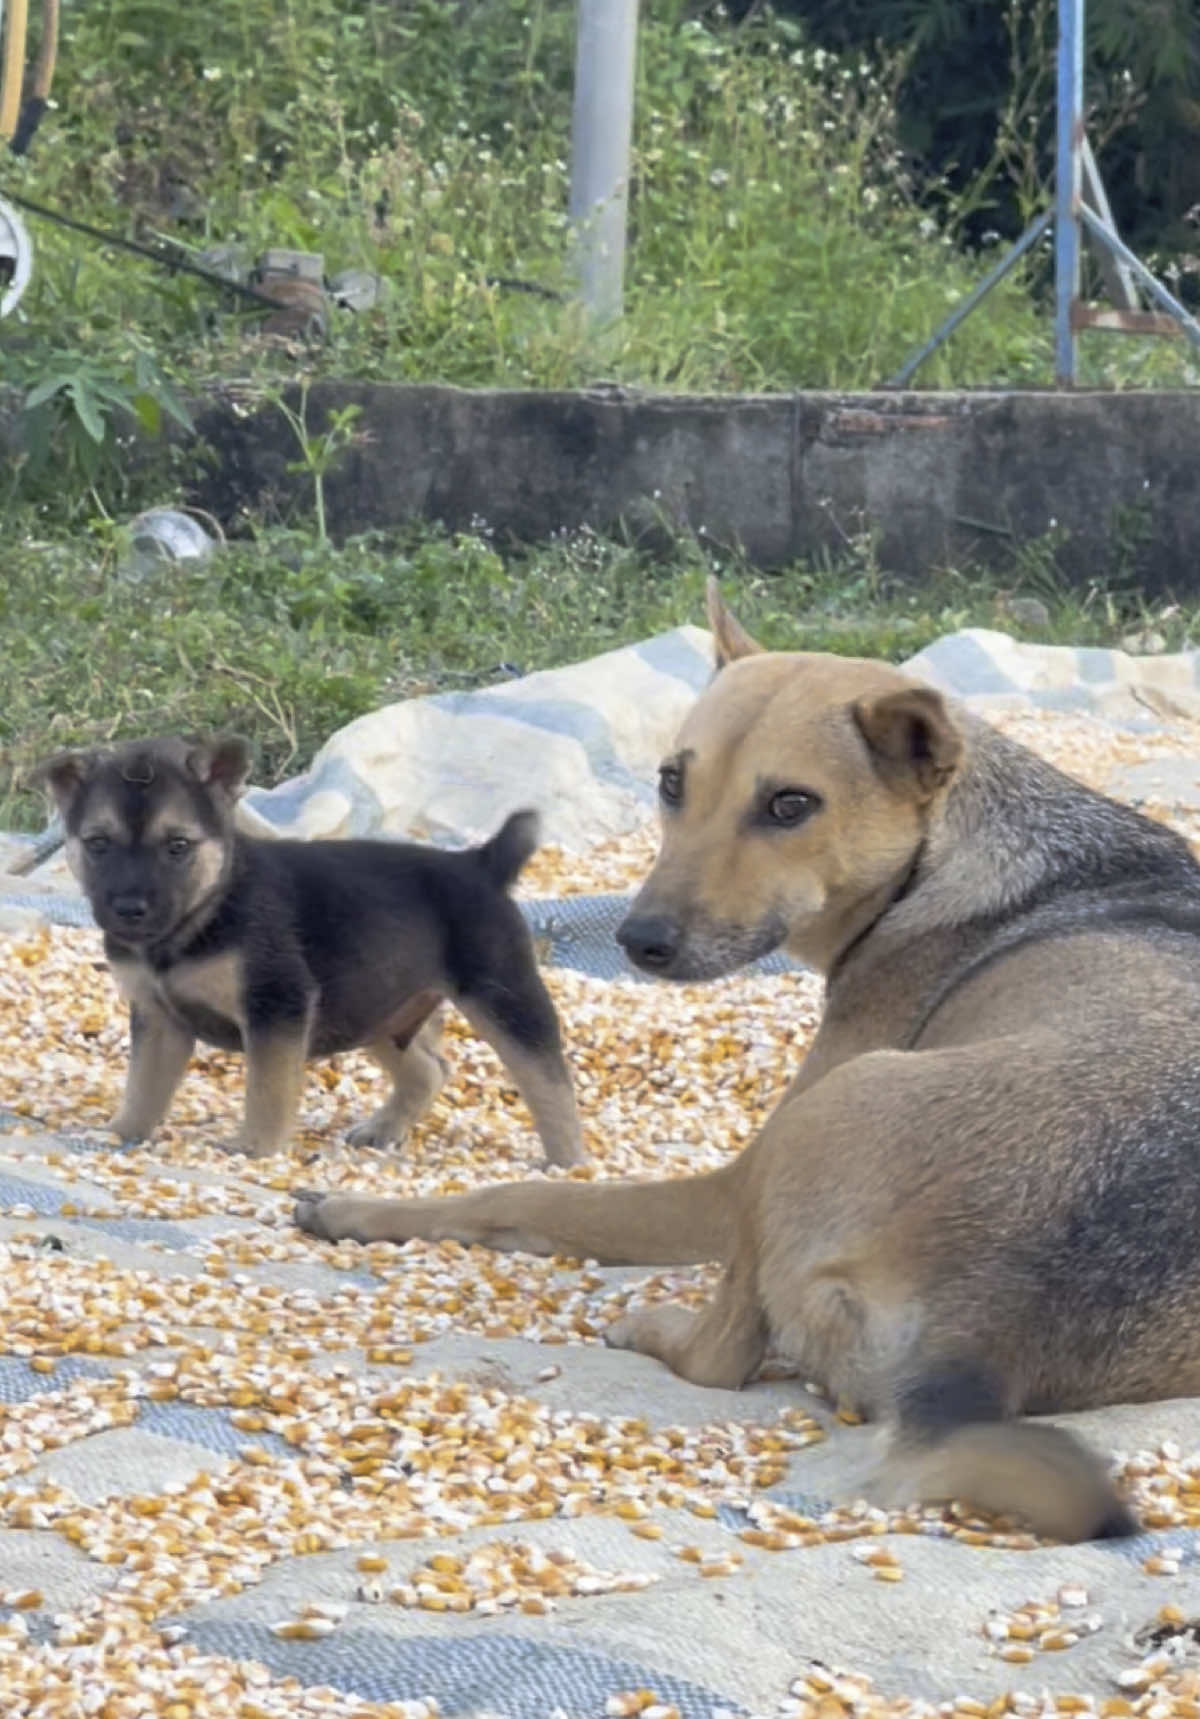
(276,1039)
(274,1079)
(158,1055)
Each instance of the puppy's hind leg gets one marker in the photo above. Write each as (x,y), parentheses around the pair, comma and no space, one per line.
(417,1073)
(517,1018)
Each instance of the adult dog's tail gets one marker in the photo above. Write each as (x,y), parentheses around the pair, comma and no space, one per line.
(955,1442)
(512,846)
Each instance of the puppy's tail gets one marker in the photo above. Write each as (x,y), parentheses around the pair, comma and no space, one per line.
(955,1442)
(510,848)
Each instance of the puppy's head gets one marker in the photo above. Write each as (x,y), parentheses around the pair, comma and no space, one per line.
(148,827)
(794,805)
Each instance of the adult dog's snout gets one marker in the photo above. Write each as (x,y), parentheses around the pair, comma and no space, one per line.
(651,940)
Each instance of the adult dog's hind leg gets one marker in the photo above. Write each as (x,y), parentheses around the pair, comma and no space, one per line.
(955,1438)
(722,1345)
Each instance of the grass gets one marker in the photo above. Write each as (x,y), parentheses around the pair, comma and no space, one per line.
(285,639)
(775,241)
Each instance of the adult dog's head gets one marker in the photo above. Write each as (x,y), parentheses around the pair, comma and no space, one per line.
(149,829)
(794,806)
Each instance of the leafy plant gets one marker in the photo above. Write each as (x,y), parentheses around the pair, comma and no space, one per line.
(74,420)
(976,105)
(318,451)
(776,237)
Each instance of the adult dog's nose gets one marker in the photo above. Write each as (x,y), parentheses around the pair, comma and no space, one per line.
(650,940)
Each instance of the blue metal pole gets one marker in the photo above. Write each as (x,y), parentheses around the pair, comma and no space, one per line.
(961,311)
(1068,185)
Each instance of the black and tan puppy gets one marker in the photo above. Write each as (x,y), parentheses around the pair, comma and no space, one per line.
(980,1198)
(292,950)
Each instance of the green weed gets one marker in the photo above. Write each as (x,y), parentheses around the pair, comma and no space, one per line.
(286,638)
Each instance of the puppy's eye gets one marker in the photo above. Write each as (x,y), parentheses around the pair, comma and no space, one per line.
(670,784)
(97,845)
(178,847)
(791,806)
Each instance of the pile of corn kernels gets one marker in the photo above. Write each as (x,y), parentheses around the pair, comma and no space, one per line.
(670,1081)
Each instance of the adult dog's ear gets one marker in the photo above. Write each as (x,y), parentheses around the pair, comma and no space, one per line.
(911,736)
(729,636)
(62,776)
(222,763)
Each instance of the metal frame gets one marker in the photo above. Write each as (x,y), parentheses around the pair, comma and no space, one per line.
(1080,210)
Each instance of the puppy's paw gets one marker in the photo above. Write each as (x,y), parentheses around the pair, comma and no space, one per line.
(248,1146)
(562,1151)
(130,1128)
(378,1132)
(566,1158)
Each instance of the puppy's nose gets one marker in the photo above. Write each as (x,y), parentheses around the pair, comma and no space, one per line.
(650,940)
(130,908)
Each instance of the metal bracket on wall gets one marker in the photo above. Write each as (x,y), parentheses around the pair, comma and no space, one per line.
(1080,211)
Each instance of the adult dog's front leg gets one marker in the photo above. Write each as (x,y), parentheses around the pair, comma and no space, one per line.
(679,1222)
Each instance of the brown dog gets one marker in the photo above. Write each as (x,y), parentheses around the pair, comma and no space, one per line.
(981,1196)
(290,950)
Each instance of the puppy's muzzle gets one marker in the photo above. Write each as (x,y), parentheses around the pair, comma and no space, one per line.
(650,940)
(130,910)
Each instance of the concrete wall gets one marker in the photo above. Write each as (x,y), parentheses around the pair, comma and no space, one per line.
(943,478)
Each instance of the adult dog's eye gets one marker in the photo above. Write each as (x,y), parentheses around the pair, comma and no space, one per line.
(670,784)
(178,847)
(791,806)
(97,845)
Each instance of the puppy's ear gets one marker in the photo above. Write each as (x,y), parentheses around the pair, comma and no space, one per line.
(63,775)
(729,636)
(222,763)
(911,737)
